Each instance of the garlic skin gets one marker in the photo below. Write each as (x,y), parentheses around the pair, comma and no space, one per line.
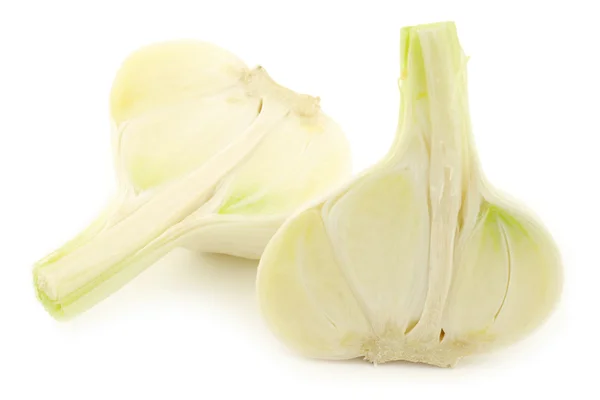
(418,258)
(208,155)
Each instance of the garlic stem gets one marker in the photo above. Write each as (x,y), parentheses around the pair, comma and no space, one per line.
(123,244)
(433,94)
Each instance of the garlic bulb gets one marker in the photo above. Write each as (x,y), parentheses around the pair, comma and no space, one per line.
(418,258)
(209,155)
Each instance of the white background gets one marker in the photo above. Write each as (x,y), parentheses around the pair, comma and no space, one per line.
(184,330)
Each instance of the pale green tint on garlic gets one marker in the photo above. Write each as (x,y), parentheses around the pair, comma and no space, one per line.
(418,258)
(209,155)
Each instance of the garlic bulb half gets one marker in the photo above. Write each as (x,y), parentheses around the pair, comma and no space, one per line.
(209,155)
(418,258)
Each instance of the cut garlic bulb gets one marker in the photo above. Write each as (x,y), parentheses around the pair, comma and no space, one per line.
(418,258)
(209,155)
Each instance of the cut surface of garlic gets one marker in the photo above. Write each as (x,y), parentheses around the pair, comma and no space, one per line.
(418,258)
(209,155)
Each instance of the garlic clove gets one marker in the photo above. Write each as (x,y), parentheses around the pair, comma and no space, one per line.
(160,74)
(480,278)
(325,318)
(381,251)
(171,141)
(262,183)
(535,277)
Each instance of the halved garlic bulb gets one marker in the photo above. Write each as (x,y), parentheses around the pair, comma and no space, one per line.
(418,258)
(209,155)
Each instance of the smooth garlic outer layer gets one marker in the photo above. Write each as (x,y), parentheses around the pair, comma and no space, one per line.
(209,155)
(418,258)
